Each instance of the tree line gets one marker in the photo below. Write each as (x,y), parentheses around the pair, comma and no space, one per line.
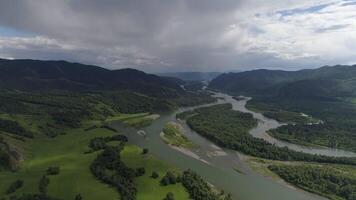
(325,181)
(230,129)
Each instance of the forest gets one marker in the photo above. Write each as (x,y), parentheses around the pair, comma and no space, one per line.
(229,128)
(333,124)
(324,180)
(326,94)
(199,189)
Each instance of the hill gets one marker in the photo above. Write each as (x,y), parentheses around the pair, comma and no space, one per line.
(327,95)
(336,81)
(61,75)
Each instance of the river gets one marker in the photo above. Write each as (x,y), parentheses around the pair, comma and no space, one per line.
(217,165)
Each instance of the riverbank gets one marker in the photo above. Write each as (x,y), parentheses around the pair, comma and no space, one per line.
(242,186)
(265,124)
(173,134)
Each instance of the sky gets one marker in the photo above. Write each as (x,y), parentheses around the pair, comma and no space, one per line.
(181,35)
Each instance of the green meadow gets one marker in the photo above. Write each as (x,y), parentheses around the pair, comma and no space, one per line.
(67,152)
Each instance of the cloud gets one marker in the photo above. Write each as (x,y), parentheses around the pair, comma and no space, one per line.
(182,35)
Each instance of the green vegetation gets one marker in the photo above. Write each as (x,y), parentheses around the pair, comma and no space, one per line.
(185,115)
(54,132)
(148,187)
(109,168)
(320,134)
(172,135)
(327,93)
(137,120)
(14,128)
(199,189)
(229,128)
(261,165)
(66,152)
(52,171)
(290,117)
(333,181)
(14,186)
(169,179)
(336,130)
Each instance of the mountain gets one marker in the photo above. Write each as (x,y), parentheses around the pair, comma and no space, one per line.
(61,75)
(324,82)
(192,76)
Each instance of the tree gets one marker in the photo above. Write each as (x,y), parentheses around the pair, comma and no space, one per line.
(169,196)
(155,175)
(145,151)
(44,182)
(52,171)
(168,179)
(78,197)
(140,171)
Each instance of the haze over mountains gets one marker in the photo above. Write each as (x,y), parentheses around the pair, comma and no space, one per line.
(192,76)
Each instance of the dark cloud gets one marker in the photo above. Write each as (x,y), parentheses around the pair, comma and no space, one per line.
(153,35)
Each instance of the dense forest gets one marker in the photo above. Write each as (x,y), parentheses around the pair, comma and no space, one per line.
(199,189)
(327,94)
(229,128)
(333,123)
(326,181)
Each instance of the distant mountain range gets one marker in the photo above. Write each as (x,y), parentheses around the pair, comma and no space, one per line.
(62,75)
(192,76)
(324,82)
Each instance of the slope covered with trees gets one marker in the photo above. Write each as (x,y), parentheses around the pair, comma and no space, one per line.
(327,94)
(62,75)
(229,128)
(332,182)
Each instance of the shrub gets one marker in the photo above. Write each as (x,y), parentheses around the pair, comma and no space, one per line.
(145,151)
(52,171)
(14,186)
(155,175)
(169,196)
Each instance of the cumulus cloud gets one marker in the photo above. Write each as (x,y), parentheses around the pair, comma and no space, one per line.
(182,35)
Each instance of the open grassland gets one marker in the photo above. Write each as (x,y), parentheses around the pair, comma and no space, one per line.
(67,152)
(148,187)
(134,120)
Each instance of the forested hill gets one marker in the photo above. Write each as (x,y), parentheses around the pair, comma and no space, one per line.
(35,75)
(324,82)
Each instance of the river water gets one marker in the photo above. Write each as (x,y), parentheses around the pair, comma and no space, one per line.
(218,166)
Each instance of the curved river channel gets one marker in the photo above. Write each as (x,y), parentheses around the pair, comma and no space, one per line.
(224,168)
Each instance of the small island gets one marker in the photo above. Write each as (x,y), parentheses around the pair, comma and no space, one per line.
(172,134)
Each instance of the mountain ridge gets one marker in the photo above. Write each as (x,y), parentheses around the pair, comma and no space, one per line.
(26,74)
(338,79)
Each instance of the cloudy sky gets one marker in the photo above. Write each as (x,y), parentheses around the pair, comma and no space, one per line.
(181,35)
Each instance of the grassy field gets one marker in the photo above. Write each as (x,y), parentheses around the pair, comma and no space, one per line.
(149,188)
(67,152)
(134,120)
(172,134)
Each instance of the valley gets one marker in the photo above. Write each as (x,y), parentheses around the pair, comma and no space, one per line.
(177,100)
(112,140)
